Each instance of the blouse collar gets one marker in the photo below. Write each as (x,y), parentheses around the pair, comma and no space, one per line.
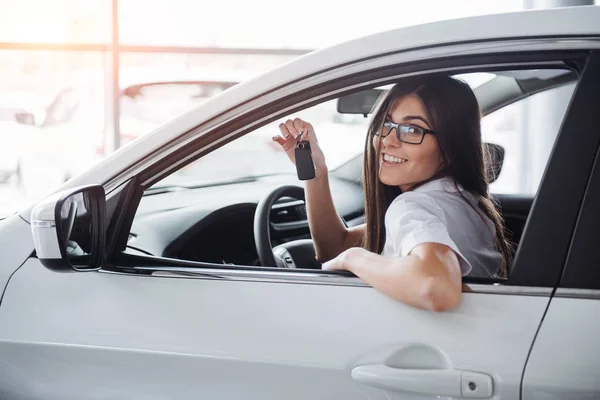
(446,184)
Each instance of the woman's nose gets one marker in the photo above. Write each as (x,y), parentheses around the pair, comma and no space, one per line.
(391,140)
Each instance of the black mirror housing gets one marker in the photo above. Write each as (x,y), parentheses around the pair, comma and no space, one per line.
(69,229)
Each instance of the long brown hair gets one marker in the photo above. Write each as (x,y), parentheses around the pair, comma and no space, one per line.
(456,119)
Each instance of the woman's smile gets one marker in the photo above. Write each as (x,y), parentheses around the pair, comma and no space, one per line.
(389,160)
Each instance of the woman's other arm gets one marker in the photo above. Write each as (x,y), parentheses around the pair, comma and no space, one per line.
(428,278)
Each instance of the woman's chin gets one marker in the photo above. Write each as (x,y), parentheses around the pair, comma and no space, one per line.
(390,181)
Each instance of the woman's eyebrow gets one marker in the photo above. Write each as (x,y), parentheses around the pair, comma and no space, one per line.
(413,117)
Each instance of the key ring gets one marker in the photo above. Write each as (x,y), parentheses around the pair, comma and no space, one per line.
(300,144)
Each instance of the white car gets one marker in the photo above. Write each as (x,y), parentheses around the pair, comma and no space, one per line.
(123,285)
(9,159)
(64,136)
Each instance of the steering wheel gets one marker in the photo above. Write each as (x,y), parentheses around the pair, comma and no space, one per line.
(288,255)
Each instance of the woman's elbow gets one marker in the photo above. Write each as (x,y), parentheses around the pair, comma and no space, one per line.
(440,294)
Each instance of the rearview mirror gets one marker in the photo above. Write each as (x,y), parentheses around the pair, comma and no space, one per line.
(68,229)
(25,118)
(359,103)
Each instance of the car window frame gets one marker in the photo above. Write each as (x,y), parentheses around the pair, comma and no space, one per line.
(581,277)
(562,187)
(458,65)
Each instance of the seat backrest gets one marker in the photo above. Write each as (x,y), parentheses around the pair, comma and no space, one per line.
(494,159)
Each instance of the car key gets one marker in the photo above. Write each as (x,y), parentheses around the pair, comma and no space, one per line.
(305,166)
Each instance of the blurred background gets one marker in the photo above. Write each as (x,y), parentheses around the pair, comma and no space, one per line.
(81,78)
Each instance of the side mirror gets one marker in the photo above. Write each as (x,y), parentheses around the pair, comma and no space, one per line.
(25,118)
(69,229)
(360,102)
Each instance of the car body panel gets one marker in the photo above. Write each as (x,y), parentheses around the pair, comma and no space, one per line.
(16,245)
(565,360)
(101,335)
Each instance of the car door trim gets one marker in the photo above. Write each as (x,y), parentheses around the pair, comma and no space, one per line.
(569,293)
(302,277)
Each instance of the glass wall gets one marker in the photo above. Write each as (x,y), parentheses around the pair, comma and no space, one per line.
(56,99)
(56,21)
(51,120)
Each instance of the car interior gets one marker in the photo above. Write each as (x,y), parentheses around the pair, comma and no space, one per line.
(261,221)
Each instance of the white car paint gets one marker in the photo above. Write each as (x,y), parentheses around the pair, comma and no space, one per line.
(565,361)
(107,335)
(167,337)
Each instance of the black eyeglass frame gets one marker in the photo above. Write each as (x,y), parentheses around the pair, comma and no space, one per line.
(393,125)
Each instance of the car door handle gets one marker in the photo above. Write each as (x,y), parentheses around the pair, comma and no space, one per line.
(436,382)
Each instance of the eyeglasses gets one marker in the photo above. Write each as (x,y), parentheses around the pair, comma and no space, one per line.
(406,133)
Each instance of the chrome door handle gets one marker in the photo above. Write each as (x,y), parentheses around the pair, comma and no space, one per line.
(435,382)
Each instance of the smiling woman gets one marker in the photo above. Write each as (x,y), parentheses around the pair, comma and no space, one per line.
(428,214)
(420,162)
(452,153)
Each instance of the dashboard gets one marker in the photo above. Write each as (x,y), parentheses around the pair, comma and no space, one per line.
(216,223)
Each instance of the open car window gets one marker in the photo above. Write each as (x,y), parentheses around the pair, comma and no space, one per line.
(205,211)
(342,136)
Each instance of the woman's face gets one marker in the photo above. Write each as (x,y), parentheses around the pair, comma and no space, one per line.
(413,163)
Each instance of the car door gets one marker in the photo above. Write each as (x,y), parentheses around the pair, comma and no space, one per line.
(565,359)
(152,328)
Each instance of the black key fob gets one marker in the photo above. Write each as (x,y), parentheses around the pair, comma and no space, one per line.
(305,167)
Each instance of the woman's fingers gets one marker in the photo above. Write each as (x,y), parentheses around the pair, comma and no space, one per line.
(285,144)
(289,124)
(300,126)
(291,129)
(279,140)
(306,127)
(284,131)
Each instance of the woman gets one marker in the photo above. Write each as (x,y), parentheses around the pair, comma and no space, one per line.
(429,217)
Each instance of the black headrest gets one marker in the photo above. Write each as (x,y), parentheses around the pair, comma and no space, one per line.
(494,159)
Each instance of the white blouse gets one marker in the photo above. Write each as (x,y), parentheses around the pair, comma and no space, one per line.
(435,212)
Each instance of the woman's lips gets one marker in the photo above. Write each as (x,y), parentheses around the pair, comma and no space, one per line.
(390,163)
